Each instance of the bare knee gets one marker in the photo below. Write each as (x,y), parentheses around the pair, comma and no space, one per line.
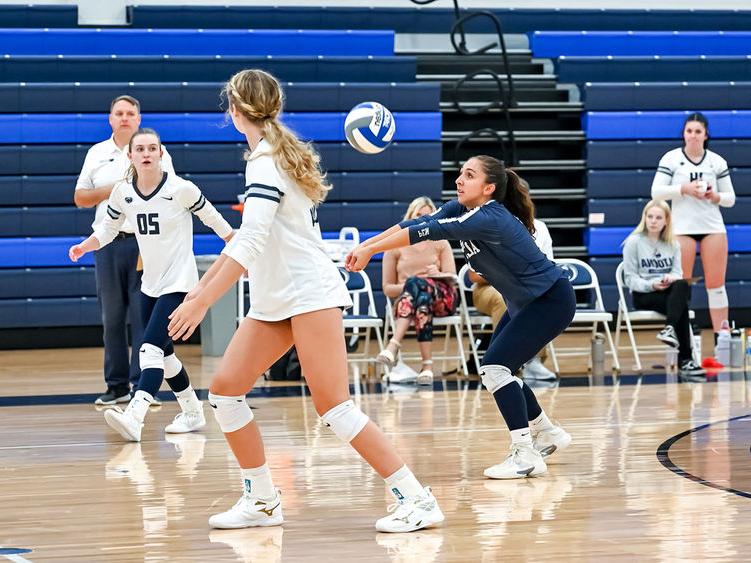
(226,384)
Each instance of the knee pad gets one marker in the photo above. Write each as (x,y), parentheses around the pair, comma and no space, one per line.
(150,357)
(495,376)
(172,366)
(717,297)
(231,413)
(346,420)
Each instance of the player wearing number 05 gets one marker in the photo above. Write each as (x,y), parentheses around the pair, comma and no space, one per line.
(493,218)
(297,295)
(160,206)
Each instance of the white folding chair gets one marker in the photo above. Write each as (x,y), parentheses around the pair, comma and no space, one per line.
(452,322)
(629,316)
(475,322)
(362,316)
(592,312)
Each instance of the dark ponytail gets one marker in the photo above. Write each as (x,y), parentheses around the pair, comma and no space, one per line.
(510,190)
(700,118)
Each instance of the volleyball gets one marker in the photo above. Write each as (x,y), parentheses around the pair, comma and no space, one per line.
(369,127)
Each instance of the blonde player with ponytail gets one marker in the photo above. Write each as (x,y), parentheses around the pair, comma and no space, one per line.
(297,297)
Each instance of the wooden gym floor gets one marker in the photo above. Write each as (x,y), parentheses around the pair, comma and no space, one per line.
(658,471)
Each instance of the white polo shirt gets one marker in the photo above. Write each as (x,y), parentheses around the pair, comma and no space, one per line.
(105,165)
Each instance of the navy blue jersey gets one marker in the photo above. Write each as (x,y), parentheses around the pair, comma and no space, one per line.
(497,246)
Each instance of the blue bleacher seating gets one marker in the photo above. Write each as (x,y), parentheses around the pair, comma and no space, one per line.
(224,42)
(733,124)
(49,312)
(580,70)
(739,292)
(28,15)
(431,20)
(639,43)
(739,267)
(224,157)
(629,96)
(606,241)
(30,68)
(224,187)
(198,127)
(95,97)
(646,154)
(22,283)
(627,212)
(638,182)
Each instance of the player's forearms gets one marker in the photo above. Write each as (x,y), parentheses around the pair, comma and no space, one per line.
(91,198)
(90,244)
(213,269)
(385,234)
(397,239)
(225,277)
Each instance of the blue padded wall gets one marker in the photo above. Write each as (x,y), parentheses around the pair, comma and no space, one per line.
(244,42)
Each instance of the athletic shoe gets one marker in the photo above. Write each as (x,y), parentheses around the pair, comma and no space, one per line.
(249,512)
(186,422)
(534,369)
(523,461)
(668,336)
(414,513)
(690,368)
(425,377)
(552,440)
(386,358)
(124,424)
(112,397)
(155,402)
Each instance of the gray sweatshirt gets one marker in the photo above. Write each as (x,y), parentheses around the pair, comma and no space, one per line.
(646,261)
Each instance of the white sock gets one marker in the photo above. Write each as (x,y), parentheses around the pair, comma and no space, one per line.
(541,423)
(188,400)
(139,405)
(521,436)
(403,483)
(257,482)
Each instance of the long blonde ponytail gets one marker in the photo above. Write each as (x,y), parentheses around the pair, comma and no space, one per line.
(258,96)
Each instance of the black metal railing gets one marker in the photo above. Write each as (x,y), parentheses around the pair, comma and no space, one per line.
(504,99)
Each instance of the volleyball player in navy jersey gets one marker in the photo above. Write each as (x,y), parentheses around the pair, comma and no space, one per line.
(492,218)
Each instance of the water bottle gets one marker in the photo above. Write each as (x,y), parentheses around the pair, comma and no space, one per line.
(722,348)
(697,340)
(671,361)
(598,355)
(736,348)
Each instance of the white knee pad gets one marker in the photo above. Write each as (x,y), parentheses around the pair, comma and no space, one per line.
(231,413)
(346,420)
(495,376)
(150,356)
(717,297)
(172,366)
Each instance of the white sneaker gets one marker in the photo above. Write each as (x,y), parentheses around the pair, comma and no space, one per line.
(534,369)
(523,461)
(186,422)
(124,424)
(552,440)
(249,512)
(425,377)
(414,513)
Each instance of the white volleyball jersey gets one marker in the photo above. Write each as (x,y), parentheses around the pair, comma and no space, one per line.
(279,243)
(692,216)
(106,164)
(164,230)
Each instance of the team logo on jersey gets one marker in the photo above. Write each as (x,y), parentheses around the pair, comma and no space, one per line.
(128,200)
(167,198)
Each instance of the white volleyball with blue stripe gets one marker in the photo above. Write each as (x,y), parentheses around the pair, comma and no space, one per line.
(369,127)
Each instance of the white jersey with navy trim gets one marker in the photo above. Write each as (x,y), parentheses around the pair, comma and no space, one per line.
(692,216)
(164,230)
(105,165)
(280,244)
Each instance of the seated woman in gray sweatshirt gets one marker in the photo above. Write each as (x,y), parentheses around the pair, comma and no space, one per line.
(652,271)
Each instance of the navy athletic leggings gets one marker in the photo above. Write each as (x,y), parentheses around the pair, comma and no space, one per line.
(155,312)
(521,335)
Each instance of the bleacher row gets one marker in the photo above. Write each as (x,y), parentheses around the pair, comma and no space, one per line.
(630,125)
(55,108)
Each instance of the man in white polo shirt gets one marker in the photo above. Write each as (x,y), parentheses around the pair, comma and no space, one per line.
(118,282)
